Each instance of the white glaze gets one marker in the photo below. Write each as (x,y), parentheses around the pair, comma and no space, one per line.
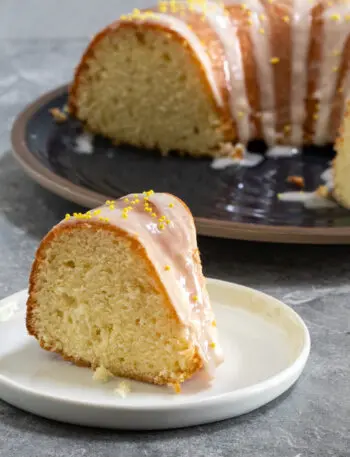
(226,30)
(311,200)
(175,246)
(335,35)
(300,24)
(249,160)
(276,152)
(262,53)
(84,144)
(327,177)
(181,27)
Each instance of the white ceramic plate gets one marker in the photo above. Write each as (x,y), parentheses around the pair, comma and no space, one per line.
(266,347)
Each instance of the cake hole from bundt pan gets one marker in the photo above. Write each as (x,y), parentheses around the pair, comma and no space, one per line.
(69,300)
(69,264)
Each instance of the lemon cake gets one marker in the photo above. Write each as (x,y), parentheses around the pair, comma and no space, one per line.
(193,76)
(121,289)
(341,163)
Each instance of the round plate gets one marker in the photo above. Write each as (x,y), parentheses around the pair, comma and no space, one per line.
(266,346)
(236,202)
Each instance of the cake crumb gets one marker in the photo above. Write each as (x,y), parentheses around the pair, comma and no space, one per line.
(123,389)
(58,115)
(297,181)
(176,386)
(323,191)
(233,151)
(101,374)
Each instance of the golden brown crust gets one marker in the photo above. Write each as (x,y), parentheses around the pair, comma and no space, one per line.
(137,247)
(241,16)
(313,71)
(280,32)
(159,380)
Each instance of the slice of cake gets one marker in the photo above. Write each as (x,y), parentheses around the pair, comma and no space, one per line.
(341,164)
(121,287)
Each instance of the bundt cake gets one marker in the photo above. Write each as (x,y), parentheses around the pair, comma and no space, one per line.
(121,288)
(341,163)
(193,75)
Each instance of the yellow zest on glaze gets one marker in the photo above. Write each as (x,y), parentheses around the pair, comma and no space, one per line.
(335,17)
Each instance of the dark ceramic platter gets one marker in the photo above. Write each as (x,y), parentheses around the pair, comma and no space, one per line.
(236,202)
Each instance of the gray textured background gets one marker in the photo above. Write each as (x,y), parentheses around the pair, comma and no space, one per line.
(311,420)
